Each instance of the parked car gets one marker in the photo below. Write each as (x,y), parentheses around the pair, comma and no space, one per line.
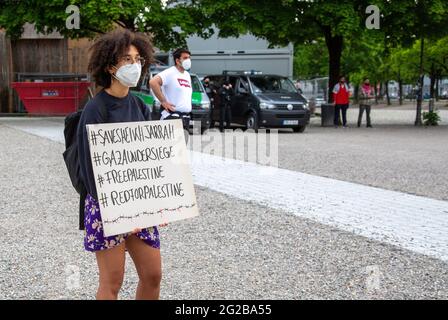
(263,100)
(320,100)
(444,95)
(315,102)
(200,101)
(393,95)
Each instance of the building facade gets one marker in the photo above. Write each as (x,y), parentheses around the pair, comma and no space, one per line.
(213,55)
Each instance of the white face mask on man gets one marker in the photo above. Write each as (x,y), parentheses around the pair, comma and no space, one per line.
(186,64)
(129,74)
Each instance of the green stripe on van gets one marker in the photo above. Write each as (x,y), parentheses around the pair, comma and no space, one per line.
(196,98)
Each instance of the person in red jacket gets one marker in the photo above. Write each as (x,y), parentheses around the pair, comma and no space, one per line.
(341,95)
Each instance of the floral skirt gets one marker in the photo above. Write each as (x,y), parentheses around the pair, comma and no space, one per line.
(95,240)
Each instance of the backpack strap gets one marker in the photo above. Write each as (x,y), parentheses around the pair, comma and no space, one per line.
(82,199)
(142,104)
(83,195)
(103,110)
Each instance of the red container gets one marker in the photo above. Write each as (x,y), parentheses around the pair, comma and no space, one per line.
(51,98)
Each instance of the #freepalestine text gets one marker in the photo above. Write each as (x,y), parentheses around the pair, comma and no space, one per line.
(121,156)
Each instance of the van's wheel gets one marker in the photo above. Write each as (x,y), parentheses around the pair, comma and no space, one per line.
(203,129)
(299,129)
(212,122)
(252,121)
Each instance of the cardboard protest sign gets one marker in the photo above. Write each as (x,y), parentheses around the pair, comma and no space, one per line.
(142,174)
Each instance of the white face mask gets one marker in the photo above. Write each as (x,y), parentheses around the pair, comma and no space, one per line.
(186,64)
(129,74)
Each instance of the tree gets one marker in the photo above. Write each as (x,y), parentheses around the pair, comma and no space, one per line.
(362,56)
(437,58)
(168,23)
(403,66)
(299,22)
(296,21)
(404,63)
(406,21)
(310,59)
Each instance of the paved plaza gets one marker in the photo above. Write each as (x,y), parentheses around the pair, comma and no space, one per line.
(354,213)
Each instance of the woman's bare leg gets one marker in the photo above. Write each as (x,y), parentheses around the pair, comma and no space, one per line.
(148,263)
(111,268)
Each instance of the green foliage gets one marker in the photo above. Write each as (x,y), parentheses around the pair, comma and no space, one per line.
(390,53)
(431,118)
(403,63)
(393,52)
(168,24)
(404,21)
(311,60)
(292,21)
(282,22)
(363,56)
(437,55)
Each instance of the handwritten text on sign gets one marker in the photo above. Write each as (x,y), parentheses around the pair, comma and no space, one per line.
(142,174)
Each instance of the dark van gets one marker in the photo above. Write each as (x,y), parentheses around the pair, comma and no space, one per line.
(263,100)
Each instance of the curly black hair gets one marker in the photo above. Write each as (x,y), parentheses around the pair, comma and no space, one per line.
(110,47)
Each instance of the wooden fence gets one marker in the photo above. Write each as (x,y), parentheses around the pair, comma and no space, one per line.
(37,55)
(5,73)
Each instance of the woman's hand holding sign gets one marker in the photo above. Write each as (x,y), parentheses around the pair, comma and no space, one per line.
(137,230)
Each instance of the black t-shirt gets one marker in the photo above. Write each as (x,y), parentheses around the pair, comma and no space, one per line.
(125,109)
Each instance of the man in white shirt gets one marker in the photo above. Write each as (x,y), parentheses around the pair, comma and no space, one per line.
(173,88)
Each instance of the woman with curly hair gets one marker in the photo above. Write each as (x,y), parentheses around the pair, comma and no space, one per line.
(116,63)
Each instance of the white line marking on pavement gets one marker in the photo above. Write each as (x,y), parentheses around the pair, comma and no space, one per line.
(415,223)
(43,128)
